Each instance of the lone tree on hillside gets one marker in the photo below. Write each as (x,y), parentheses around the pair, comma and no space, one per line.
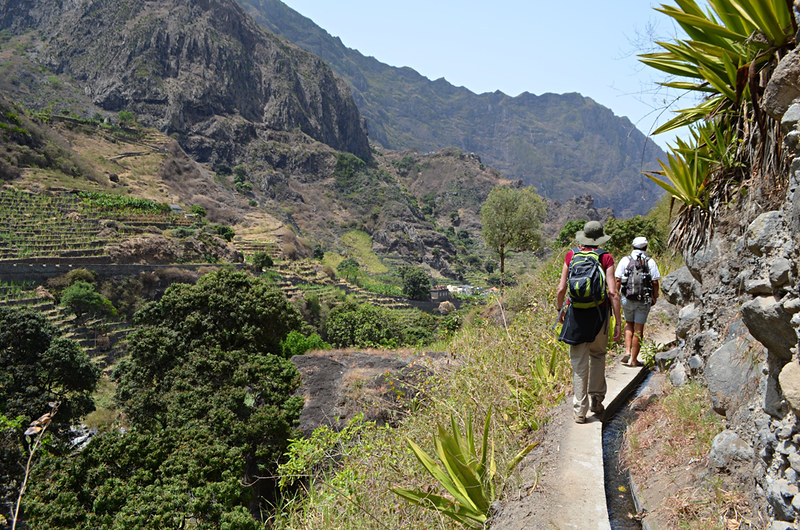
(511,221)
(416,283)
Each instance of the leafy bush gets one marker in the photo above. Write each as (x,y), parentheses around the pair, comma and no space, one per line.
(362,325)
(262,260)
(198,210)
(416,283)
(225,232)
(622,232)
(81,298)
(296,343)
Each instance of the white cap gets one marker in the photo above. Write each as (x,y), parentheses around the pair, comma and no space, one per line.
(640,242)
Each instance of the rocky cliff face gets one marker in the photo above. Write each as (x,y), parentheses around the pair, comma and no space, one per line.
(201,70)
(564,144)
(738,328)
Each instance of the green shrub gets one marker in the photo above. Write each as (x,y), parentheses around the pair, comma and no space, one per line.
(225,232)
(416,283)
(262,260)
(362,325)
(81,298)
(296,343)
(198,210)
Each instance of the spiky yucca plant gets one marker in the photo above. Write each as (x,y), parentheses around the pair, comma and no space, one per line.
(730,53)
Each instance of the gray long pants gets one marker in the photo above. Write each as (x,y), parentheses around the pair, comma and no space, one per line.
(589,371)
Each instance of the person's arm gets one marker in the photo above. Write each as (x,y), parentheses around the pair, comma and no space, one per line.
(561,293)
(655,292)
(613,296)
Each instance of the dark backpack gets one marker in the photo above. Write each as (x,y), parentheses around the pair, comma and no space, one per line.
(586,280)
(638,284)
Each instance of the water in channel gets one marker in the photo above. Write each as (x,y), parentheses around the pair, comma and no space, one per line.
(621,507)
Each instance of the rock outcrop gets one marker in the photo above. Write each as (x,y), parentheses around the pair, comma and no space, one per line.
(201,70)
(740,317)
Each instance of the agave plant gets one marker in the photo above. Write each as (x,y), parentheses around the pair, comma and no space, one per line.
(468,475)
(731,50)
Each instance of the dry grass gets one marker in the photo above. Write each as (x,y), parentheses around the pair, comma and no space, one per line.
(665,449)
(487,368)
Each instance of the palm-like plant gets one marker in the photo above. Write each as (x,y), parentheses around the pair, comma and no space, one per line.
(731,50)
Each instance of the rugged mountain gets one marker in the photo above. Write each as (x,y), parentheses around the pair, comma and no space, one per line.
(566,145)
(200,70)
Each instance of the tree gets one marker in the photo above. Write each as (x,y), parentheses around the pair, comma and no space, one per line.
(416,284)
(81,298)
(36,367)
(348,268)
(511,221)
(211,405)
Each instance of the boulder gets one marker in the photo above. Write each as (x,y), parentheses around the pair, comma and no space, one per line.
(771,325)
(727,448)
(680,288)
(703,258)
(789,380)
(784,86)
(687,317)
(780,272)
(730,371)
(762,232)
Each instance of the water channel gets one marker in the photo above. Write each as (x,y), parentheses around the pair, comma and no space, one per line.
(619,498)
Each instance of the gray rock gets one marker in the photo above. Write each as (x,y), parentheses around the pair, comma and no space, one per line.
(789,380)
(780,272)
(695,362)
(703,258)
(730,373)
(762,232)
(770,325)
(794,461)
(728,447)
(780,494)
(757,286)
(792,305)
(687,317)
(677,375)
(783,88)
(781,525)
(666,358)
(680,288)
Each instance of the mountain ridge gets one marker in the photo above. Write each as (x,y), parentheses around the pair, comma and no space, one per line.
(564,144)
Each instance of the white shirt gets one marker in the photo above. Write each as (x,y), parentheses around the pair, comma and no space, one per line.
(623,265)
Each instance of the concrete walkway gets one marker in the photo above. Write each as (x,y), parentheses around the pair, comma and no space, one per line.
(568,491)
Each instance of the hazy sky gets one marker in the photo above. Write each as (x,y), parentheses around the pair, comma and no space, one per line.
(515,46)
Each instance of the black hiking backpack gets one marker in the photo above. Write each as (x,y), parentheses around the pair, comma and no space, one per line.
(638,283)
(586,280)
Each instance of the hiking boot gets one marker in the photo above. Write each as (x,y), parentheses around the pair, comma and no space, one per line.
(597,406)
(579,418)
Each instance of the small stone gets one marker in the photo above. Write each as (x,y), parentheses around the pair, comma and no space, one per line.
(695,362)
(786,447)
(791,475)
(678,375)
(794,461)
(792,305)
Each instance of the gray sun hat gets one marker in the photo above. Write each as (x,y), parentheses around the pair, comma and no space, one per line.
(592,234)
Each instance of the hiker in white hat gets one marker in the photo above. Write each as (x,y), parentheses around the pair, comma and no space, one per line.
(637,279)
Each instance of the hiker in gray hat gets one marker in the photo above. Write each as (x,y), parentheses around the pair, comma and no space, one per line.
(588,287)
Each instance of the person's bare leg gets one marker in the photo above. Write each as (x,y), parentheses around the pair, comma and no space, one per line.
(636,342)
(628,332)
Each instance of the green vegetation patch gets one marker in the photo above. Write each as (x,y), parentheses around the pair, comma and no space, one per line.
(120,203)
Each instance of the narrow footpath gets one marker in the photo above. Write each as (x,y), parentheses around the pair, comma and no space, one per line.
(561,483)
